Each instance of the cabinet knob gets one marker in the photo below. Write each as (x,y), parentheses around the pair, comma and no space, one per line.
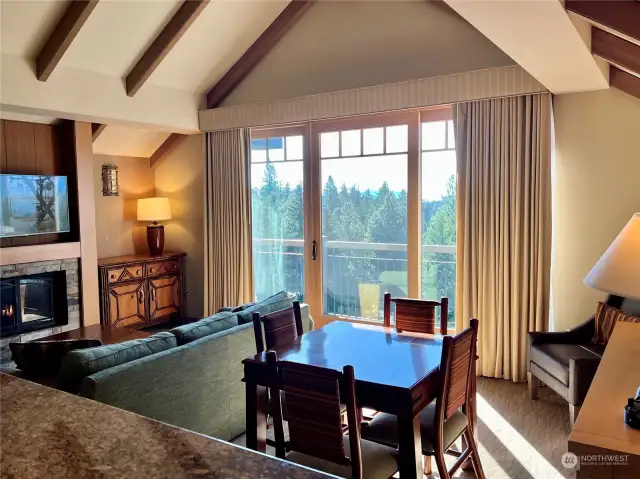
(151,270)
(138,272)
(113,276)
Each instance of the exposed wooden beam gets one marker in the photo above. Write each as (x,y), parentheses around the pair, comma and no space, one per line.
(162,45)
(256,52)
(173,140)
(62,36)
(615,49)
(624,81)
(620,15)
(97,129)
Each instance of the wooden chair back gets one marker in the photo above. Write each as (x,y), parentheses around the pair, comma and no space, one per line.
(416,315)
(277,329)
(313,412)
(458,353)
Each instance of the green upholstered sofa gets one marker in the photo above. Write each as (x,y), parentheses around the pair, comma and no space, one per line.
(196,385)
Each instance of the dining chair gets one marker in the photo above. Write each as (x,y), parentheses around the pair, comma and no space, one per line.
(416,315)
(442,422)
(281,328)
(313,411)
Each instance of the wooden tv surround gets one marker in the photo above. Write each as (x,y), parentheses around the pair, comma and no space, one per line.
(600,429)
(137,291)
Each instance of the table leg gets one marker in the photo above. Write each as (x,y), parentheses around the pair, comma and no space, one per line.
(256,417)
(410,446)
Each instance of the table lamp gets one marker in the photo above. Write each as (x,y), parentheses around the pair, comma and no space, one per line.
(154,209)
(617,272)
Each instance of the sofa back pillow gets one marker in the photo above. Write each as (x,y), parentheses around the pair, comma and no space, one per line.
(78,364)
(277,302)
(606,319)
(205,327)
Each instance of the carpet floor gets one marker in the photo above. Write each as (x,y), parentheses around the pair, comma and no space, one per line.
(518,438)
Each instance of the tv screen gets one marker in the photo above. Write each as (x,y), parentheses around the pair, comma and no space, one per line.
(33,205)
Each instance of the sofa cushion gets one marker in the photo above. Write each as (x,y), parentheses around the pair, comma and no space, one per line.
(205,327)
(606,319)
(278,301)
(76,365)
(554,358)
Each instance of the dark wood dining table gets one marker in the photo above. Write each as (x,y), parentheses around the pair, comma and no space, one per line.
(396,373)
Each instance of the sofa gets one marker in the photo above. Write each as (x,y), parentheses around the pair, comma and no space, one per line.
(190,376)
(567,361)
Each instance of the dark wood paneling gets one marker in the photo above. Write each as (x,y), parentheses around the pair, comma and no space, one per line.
(620,15)
(263,45)
(624,81)
(62,36)
(3,151)
(162,45)
(47,147)
(20,146)
(615,49)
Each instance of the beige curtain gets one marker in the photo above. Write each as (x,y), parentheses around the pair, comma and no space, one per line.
(228,272)
(503,151)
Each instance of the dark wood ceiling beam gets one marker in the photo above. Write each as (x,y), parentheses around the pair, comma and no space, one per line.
(172,141)
(63,34)
(620,15)
(256,52)
(96,130)
(615,50)
(624,81)
(164,42)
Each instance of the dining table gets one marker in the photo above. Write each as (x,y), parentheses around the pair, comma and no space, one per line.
(395,372)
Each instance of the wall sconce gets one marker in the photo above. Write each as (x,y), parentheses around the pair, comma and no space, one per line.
(110,186)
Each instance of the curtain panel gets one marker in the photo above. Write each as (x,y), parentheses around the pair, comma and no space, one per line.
(228,272)
(503,149)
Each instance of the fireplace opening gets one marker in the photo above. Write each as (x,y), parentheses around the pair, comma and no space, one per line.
(29,303)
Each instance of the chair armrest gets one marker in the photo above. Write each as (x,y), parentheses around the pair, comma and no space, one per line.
(581,373)
(583,333)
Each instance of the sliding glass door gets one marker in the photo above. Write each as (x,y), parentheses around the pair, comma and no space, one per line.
(346,210)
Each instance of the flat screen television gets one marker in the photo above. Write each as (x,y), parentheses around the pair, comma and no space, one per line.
(33,205)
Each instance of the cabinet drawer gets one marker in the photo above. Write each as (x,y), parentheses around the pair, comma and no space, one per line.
(127,273)
(158,268)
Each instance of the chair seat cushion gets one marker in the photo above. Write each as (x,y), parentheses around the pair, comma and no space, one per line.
(554,358)
(383,428)
(378,461)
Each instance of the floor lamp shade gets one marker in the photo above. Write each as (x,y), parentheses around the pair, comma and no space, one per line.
(154,209)
(618,270)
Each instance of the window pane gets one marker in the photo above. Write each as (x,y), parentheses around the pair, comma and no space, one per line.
(373,141)
(294,147)
(275,149)
(350,143)
(259,156)
(277,226)
(439,228)
(260,144)
(451,137)
(330,144)
(397,139)
(364,233)
(433,135)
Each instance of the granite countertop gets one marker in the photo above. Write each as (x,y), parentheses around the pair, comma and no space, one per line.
(48,433)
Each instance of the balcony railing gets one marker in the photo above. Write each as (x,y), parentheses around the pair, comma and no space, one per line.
(355,274)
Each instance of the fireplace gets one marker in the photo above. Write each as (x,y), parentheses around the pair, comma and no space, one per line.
(33,302)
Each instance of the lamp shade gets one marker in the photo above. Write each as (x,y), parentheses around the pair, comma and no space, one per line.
(618,270)
(153,209)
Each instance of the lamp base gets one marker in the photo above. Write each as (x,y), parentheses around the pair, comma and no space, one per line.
(155,239)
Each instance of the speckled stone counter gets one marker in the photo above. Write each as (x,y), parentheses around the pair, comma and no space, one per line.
(48,433)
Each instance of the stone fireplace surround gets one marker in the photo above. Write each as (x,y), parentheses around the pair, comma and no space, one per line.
(70,266)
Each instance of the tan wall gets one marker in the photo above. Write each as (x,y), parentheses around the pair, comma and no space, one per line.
(118,231)
(596,190)
(342,45)
(180,176)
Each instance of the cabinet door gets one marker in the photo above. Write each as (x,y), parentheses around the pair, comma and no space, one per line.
(164,297)
(127,304)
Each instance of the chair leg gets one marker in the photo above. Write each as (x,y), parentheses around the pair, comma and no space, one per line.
(427,465)
(442,466)
(475,456)
(573,414)
(533,385)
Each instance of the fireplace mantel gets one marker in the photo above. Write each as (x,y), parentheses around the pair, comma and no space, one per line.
(40,252)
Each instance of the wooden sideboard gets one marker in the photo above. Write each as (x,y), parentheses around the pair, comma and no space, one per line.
(610,449)
(137,291)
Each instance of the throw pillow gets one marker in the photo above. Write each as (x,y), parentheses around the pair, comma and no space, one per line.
(606,319)
(205,327)
(77,365)
(43,358)
(277,302)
